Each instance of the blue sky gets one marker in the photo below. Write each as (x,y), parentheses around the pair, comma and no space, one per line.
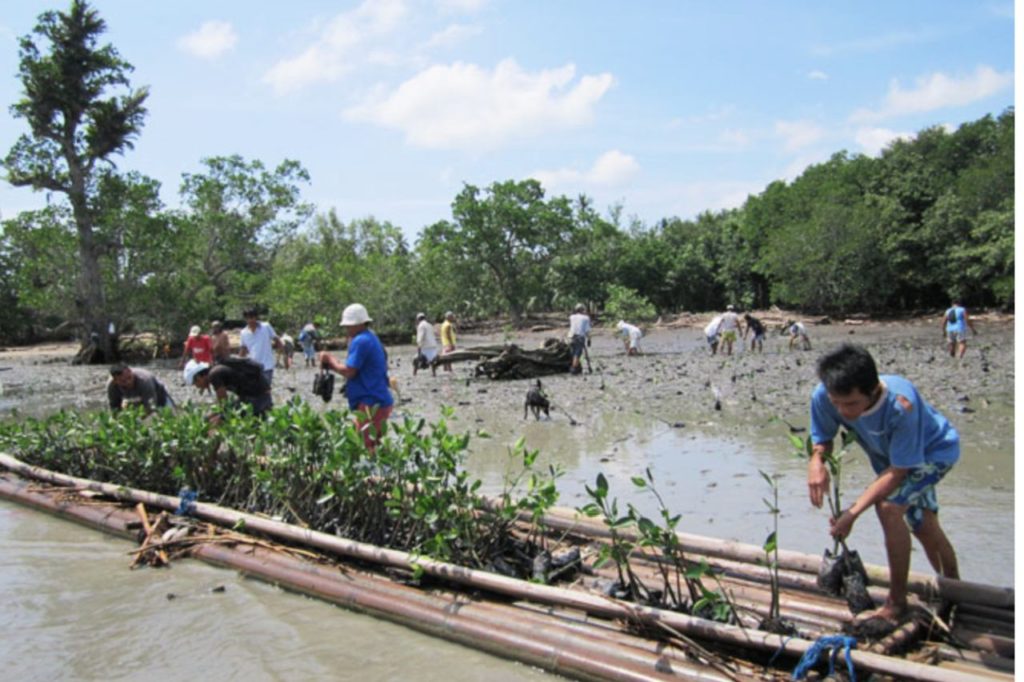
(666,108)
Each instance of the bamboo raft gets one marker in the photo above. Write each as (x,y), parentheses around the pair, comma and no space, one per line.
(571,630)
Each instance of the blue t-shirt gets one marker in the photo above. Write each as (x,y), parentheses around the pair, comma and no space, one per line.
(900,430)
(956,319)
(370,384)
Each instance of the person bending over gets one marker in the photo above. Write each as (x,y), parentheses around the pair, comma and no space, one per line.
(911,447)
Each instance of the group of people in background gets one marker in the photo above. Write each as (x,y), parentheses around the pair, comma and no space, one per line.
(910,445)
(722,332)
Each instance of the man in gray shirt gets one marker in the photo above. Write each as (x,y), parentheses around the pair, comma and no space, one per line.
(136,386)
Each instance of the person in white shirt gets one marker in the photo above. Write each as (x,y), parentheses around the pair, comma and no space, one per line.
(426,345)
(730,328)
(711,333)
(631,337)
(797,332)
(259,341)
(579,337)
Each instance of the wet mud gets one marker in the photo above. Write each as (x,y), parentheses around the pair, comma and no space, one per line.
(705,425)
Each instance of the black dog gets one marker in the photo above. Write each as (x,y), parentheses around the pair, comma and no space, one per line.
(537,401)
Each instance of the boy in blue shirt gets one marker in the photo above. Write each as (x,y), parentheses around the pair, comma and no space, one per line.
(911,446)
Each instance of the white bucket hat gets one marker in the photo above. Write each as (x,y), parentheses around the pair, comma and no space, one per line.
(192,369)
(355,314)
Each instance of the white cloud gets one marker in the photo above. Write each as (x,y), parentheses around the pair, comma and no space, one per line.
(452,35)
(332,53)
(874,140)
(798,134)
(817,75)
(611,169)
(461,6)
(466,106)
(937,91)
(210,40)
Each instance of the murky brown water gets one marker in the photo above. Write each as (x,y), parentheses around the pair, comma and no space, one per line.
(73,611)
(627,412)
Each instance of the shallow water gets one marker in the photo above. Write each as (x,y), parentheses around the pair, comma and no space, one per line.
(73,611)
(74,594)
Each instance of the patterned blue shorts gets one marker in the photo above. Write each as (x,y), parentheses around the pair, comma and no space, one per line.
(917,492)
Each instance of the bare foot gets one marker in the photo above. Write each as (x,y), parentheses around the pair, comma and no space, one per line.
(889,612)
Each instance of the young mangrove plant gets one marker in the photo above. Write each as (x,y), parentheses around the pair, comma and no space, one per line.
(675,570)
(413,493)
(619,548)
(773,622)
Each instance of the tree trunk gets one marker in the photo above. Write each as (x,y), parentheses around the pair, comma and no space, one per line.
(99,339)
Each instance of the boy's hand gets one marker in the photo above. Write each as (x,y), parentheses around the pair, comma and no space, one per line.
(817,480)
(842,525)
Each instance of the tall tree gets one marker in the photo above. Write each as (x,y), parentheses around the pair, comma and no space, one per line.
(514,232)
(76,124)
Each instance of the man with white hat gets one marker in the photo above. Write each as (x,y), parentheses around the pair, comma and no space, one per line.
(426,345)
(198,347)
(366,372)
(631,334)
(241,376)
(730,328)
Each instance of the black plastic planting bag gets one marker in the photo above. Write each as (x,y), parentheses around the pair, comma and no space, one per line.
(323,385)
(855,590)
(830,573)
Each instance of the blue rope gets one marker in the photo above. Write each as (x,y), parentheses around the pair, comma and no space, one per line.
(186,502)
(831,643)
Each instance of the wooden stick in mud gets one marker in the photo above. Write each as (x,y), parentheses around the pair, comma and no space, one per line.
(140,509)
(491,582)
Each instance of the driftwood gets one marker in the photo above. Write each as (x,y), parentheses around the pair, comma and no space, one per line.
(515,363)
(509,361)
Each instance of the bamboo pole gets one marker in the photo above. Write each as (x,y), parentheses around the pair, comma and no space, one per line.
(594,604)
(547,645)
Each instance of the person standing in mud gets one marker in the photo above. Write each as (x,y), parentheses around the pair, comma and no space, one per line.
(366,371)
(307,339)
(448,337)
(198,346)
(259,341)
(955,322)
(221,342)
(911,447)
(579,336)
(136,386)
(729,328)
(426,344)
(754,325)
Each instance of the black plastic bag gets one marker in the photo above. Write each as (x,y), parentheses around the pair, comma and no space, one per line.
(830,573)
(323,385)
(855,590)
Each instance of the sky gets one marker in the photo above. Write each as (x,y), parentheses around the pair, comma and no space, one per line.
(663,108)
